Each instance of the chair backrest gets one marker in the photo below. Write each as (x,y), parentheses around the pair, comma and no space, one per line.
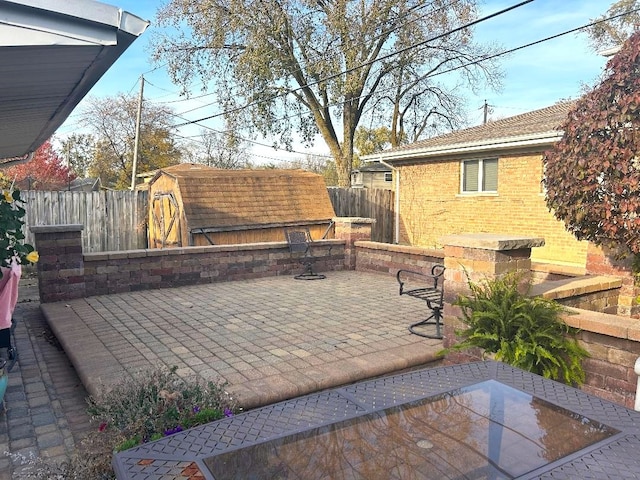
(298,240)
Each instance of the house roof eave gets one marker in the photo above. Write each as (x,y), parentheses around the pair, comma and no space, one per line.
(498,145)
(52,54)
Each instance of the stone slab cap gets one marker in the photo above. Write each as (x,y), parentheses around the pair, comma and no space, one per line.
(71,227)
(491,241)
(572,287)
(354,220)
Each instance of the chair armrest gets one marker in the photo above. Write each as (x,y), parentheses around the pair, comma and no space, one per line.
(431,280)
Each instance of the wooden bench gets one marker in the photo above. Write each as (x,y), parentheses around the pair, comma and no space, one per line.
(430,289)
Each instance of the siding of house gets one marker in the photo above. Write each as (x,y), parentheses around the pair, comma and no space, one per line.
(431,207)
(376,180)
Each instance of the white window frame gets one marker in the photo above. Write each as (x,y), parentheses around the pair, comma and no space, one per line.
(480,177)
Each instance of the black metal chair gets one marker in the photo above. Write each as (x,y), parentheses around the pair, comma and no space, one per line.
(299,241)
(429,288)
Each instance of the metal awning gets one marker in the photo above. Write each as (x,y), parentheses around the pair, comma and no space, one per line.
(51,54)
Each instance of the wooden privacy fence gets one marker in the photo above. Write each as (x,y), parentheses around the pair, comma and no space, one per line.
(117,220)
(368,203)
(113,220)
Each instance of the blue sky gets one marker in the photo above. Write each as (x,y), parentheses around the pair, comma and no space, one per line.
(535,77)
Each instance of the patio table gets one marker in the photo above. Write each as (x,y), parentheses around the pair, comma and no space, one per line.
(566,432)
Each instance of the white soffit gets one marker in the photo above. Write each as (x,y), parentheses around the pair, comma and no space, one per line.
(51,54)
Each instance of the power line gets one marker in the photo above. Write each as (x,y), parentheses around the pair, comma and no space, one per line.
(365,64)
(380,35)
(465,65)
(405,15)
(385,32)
(253,142)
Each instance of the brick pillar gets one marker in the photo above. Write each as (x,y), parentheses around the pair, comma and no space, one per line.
(352,229)
(606,261)
(480,256)
(61,264)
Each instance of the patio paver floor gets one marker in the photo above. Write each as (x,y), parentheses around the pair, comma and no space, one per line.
(271,338)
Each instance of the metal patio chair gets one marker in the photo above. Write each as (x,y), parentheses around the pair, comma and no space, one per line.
(300,241)
(430,289)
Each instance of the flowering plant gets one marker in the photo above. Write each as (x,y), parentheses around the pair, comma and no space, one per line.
(12,246)
(155,404)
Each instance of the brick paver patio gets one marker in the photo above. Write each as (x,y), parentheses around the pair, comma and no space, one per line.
(270,339)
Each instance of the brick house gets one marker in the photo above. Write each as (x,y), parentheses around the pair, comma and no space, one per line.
(483,179)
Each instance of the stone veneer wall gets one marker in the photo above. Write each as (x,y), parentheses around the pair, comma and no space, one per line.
(64,272)
(386,258)
(613,341)
(115,272)
(614,345)
(61,264)
(602,261)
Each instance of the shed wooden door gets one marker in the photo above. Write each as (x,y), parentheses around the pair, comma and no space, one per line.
(166,221)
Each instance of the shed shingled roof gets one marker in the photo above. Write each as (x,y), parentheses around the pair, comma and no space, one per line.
(216,198)
(544,123)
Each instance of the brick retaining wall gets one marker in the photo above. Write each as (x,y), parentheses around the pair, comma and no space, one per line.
(387,258)
(116,272)
(614,345)
(64,272)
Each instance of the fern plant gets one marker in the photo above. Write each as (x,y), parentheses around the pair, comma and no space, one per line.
(525,332)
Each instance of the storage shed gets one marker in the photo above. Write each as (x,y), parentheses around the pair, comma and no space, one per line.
(196,205)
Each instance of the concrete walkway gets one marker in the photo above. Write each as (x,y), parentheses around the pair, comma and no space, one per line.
(45,403)
(270,339)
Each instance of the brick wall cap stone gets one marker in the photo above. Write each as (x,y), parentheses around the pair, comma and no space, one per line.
(72,227)
(353,220)
(491,241)
(572,287)
(412,250)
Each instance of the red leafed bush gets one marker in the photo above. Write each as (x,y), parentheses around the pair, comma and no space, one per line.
(592,175)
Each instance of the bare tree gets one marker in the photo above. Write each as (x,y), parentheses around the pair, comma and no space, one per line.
(614,33)
(304,67)
(220,150)
(113,122)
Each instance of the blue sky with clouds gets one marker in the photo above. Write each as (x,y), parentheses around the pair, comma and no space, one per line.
(535,77)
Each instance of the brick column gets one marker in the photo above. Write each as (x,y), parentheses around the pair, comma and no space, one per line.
(352,229)
(480,256)
(61,264)
(605,261)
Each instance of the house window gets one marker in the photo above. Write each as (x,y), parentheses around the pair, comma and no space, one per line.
(388,177)
(480,176)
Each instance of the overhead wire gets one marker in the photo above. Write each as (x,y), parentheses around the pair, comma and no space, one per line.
(479,60)
(468,64)
(364,64)
(380,35)
(226,132)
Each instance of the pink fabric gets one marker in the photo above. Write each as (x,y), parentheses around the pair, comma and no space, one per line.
(9,293)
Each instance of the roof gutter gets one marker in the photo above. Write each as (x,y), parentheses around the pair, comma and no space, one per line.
(451,150)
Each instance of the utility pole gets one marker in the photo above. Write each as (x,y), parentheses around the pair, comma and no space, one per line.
(486,112)
(137,138)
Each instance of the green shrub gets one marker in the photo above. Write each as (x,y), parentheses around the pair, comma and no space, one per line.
(525,332)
